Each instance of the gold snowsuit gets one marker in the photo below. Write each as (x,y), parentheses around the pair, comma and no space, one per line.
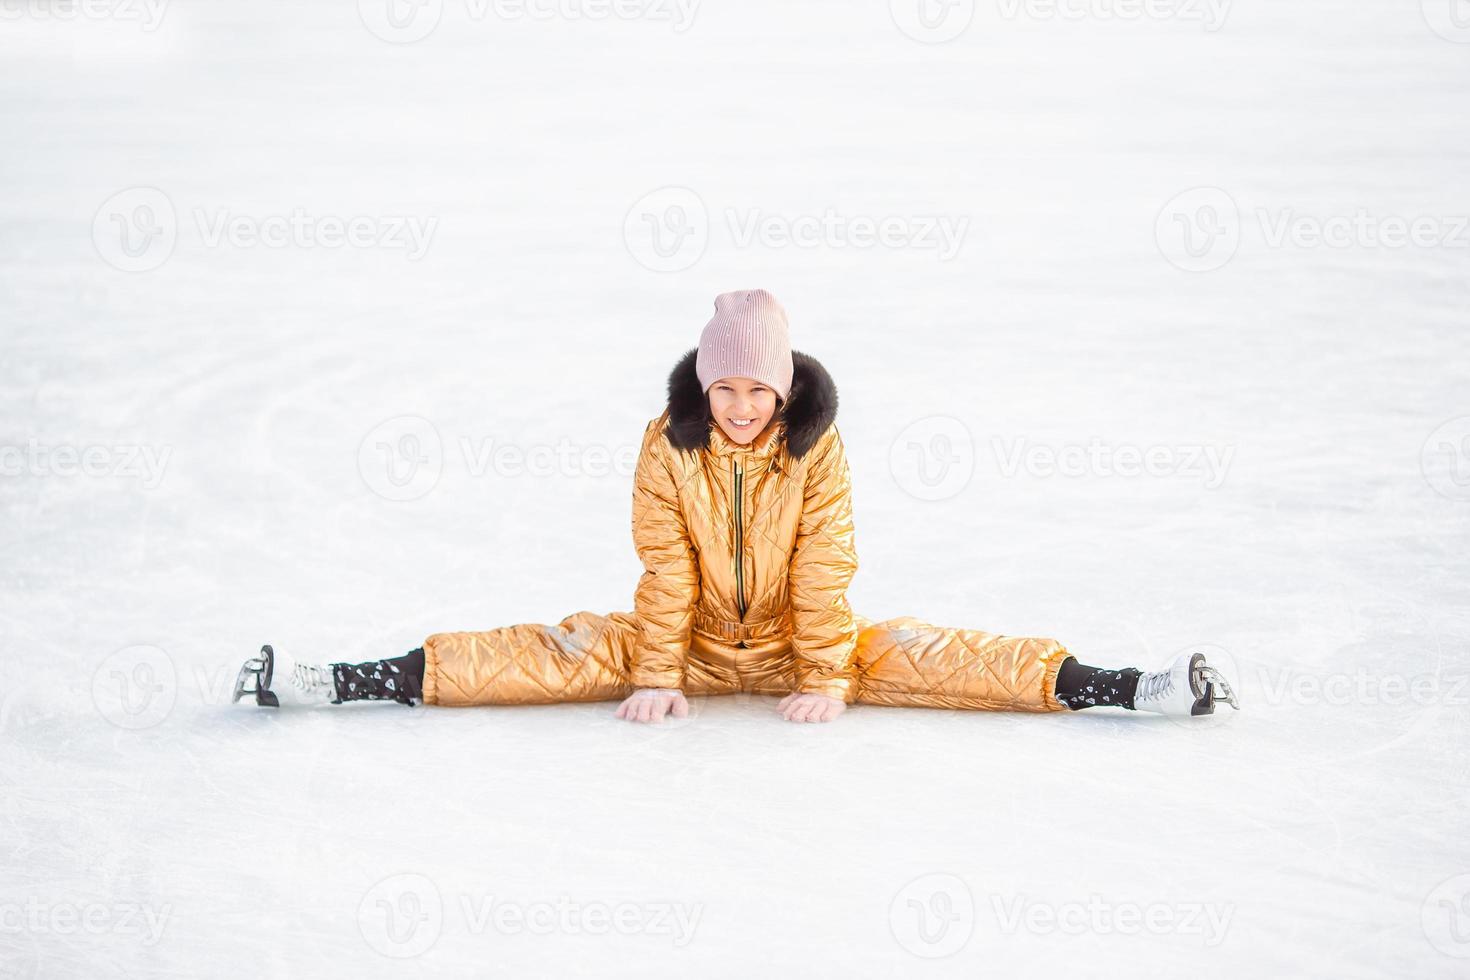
(747,554)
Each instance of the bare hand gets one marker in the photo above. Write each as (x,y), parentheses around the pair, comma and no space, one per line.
(650,704)
(810,707)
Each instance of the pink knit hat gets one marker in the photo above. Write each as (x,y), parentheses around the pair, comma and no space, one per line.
(747,338)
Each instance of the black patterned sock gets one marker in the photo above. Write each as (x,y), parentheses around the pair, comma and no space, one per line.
(398,679)
(1080,686)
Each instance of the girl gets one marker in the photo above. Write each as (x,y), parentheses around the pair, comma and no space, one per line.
(742,516)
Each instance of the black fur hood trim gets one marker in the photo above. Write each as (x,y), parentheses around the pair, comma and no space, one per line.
(807,413)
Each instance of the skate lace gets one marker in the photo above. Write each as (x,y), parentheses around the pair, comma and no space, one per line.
(1154,686)
(310,678)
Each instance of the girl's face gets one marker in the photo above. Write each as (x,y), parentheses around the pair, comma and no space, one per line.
(733,401)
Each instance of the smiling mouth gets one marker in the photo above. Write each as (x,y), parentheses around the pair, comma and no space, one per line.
(741,423)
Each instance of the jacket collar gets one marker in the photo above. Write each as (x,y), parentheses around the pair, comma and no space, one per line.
(808,412)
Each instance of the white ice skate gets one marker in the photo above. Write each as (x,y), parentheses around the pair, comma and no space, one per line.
(307,684)
(1189,686)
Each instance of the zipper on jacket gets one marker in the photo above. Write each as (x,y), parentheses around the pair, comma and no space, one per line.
(739,537)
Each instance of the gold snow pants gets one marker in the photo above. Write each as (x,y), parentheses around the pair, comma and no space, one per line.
(902,662)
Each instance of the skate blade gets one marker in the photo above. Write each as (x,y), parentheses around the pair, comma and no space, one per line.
(1221,691)
(250,669)
(261,668)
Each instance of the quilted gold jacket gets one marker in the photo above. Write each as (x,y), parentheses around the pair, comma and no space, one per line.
(744,544)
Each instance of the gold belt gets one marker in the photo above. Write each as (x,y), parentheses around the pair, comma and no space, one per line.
(726,630)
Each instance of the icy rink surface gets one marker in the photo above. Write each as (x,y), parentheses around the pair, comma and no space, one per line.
(233,399)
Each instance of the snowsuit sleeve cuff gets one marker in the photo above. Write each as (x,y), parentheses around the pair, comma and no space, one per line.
(836,687)
(657,678)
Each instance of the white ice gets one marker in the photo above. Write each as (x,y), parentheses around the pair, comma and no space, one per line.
(228,400)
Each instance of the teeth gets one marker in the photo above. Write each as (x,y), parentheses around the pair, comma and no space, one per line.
(742,421)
